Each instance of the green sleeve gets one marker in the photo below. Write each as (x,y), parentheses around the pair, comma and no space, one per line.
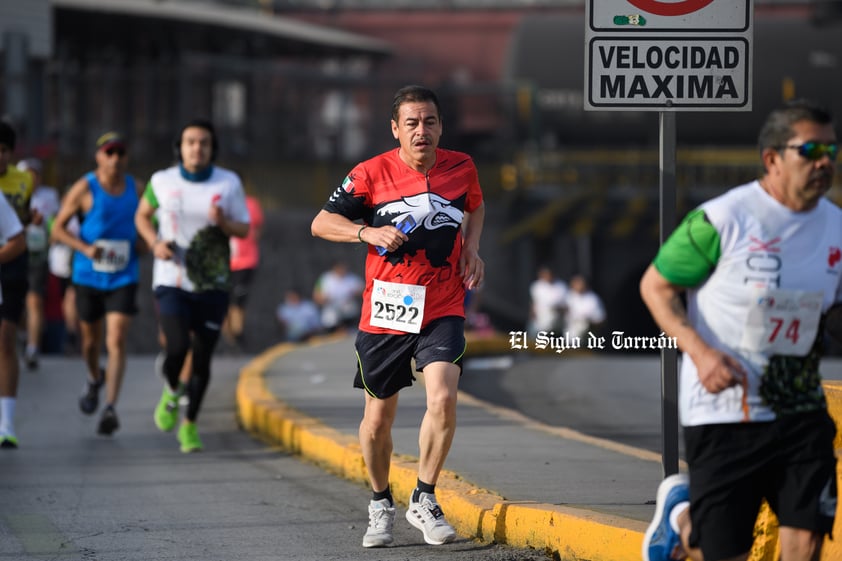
(149,195)
(691,252)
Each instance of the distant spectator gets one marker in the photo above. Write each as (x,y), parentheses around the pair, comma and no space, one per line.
(547,294)
(43,207)
(298,318)
(584,308)
(245,258)
(339,294)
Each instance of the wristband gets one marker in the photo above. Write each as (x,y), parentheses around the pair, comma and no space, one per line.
(360,232)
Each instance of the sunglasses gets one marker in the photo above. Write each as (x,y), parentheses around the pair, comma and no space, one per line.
(119,151)
(814,151)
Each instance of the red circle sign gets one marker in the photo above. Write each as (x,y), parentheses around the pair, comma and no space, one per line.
(670,8)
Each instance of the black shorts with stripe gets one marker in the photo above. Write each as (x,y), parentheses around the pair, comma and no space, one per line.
(384,360)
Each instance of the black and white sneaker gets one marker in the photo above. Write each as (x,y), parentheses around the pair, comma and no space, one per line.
(427,516)
(381,519)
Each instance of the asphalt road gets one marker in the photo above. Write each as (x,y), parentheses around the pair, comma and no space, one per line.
(68,494)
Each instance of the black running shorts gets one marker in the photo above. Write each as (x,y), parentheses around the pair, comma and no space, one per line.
(92,304)
(790,462)
(384,361)
(14,299)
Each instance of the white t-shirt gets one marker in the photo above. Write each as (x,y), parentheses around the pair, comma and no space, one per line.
(583,310)
(45,200)
(547,300)
(342,294)
(182,211)
(10,225)
(770,257)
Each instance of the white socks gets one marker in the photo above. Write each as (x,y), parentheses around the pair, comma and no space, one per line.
(7,416)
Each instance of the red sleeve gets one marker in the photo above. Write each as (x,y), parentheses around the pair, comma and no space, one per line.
(474,198)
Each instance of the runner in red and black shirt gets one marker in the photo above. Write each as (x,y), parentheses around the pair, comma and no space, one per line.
(384,191)
(420,210)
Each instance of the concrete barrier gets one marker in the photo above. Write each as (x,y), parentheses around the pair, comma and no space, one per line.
(563,532)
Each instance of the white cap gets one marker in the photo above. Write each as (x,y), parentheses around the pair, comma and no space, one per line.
(30,163)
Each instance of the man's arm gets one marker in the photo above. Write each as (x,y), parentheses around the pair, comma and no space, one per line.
(161,249)
(13,247)
(231,228)
(72,204)
(471,266)
(717,371)
(334,227)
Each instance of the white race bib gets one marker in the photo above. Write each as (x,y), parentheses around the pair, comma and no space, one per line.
(782,322)
(114,256)
(397,306)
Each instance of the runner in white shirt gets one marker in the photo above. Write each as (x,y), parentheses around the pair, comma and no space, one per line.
(761,266)
(44,206)
(198,207)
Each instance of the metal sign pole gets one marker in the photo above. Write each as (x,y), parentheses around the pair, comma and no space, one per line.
(669,357)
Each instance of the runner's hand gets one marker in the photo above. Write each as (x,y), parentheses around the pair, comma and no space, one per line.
(163,249)
(718,371)
(471,268)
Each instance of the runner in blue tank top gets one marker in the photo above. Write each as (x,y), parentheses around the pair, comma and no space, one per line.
(105,269)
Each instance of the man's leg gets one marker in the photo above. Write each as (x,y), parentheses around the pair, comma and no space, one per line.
(91,339)
(116,332)
(34,327)
(798,544)
(441,380)
(71,317)
(376,438)
(9,371)
(376,443)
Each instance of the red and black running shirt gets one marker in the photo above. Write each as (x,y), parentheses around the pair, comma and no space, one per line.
(384,190)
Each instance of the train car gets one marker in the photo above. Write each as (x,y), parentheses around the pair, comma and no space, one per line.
(795,54)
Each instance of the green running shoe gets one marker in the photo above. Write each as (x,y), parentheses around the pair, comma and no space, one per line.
(166,413)
(8,441)
(189,439)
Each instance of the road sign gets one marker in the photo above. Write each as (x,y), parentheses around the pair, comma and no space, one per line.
(668,55)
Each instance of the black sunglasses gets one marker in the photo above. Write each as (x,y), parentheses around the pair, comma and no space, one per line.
(816,150)
(119,151)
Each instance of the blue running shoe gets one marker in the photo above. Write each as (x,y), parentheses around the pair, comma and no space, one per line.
(660,539)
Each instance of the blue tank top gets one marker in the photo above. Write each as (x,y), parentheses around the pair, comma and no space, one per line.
(109,224)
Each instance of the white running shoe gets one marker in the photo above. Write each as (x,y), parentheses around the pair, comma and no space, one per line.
(381,518)
(426,515)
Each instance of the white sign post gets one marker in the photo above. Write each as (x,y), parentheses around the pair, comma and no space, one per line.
(668,56)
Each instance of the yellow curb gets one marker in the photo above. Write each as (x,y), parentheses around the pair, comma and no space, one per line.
(562,532)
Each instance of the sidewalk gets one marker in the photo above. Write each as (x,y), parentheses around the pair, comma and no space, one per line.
(508,479)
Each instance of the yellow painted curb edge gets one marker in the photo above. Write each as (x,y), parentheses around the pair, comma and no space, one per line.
(563,532)
(568,533)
